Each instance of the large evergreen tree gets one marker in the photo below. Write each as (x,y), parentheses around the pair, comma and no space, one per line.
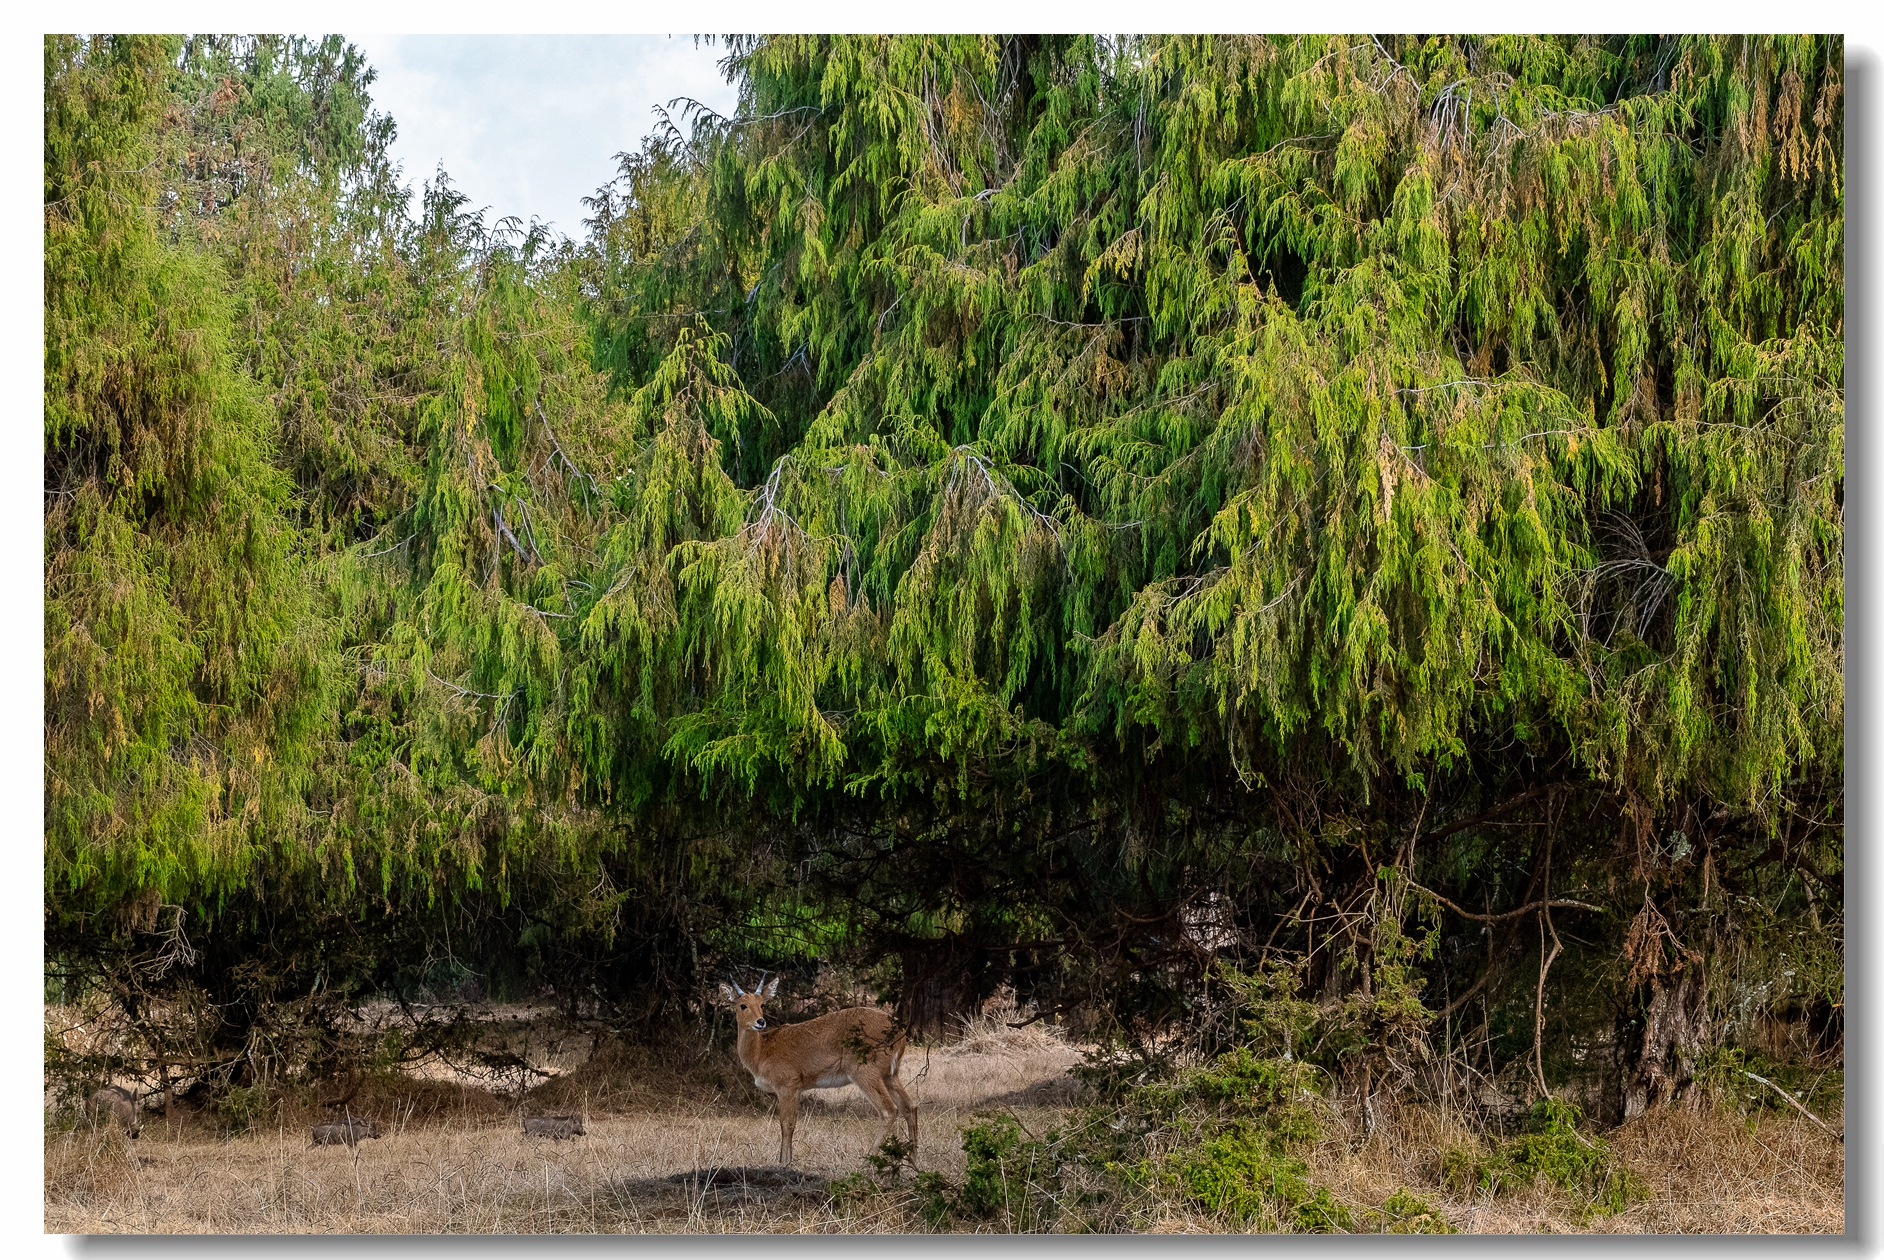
(1032,508)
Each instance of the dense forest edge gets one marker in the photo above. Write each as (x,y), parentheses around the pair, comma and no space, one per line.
(1314,564)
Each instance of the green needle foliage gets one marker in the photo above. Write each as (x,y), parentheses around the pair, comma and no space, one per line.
(185,668)
(1255,394)
(1027,508)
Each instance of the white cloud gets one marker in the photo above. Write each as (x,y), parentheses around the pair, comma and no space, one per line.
(529,124)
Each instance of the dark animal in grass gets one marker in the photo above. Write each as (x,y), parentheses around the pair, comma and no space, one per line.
(345,1132)
(113,1103)
(558,1127)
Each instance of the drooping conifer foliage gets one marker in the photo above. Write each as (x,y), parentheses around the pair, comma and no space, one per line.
(1032,509)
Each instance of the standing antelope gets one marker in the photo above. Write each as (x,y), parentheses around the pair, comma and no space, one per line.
(859,1046)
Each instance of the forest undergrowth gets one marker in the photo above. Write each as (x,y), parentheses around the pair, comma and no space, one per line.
(1022,1134)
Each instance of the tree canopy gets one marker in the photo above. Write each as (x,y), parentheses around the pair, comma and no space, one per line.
(1017,507)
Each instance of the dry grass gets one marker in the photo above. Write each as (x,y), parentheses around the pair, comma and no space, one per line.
(1705,1172)
(454,1159)
(460,1176)
(1711,1173)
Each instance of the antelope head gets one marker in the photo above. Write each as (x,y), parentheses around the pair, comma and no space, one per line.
(749,1008)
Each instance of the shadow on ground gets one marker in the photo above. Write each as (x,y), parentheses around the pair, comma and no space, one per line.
(720,1189)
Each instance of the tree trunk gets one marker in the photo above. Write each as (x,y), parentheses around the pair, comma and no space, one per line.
(941,986)
(1673,1032)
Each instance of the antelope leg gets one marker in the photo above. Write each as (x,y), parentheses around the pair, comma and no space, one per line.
(787,1121)
(905,1106)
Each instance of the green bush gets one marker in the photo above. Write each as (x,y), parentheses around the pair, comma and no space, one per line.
(245,1107)
(1404,1213)
(1458,1167)
(1728,1073)
(1249,1175)
(928,1193)
(1248,1115)
(1240,1174)
(1001,1166)
(1555,1150)
(1234,1084)
(1011,1179)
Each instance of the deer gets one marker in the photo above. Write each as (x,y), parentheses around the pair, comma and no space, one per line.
(858,1046)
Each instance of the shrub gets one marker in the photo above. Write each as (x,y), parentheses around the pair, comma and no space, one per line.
(1249,1175)
(1241,1119)
(1555,1150)
(1404,1213)
(1005,1172)
(1010,1179)
(245,1107)
(1730,1075)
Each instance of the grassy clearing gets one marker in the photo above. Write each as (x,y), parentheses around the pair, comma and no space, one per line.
(453,1159)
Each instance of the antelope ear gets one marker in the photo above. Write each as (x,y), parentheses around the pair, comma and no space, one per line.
(728,992)
(771,989)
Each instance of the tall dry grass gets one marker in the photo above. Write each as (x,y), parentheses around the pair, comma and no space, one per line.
(1705,1172)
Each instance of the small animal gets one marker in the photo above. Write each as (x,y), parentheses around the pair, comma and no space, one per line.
(860,1046)
(557,1127)
(113,1103)
(345,1132)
